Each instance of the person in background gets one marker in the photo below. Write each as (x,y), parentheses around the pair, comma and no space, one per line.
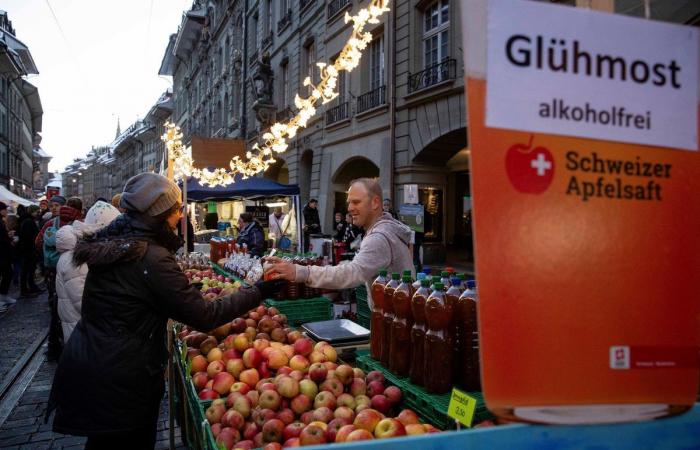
(276,230)
(190,233)
(5,260)
(386,244)
(43,209)
(70,279)
(117,353)
(211,221)
(116,199)
(388,208)
(28,231)
(251,233)
(339,226)
(12,222)
(352,232)
(312,223)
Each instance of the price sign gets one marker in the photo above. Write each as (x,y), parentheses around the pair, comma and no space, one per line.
(462,407)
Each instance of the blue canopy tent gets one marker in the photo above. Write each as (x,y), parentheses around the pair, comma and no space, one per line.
(249,188)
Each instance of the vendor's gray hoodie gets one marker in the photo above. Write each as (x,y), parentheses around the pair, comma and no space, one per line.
(385,245)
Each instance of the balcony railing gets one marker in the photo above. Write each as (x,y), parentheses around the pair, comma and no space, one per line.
(437,73)
(371,99)
(267,40)
(340,112)
(335,6)
(253,58)
(303,4)
(284,22)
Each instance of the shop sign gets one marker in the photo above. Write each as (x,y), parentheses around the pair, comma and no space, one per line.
(410,194)
(413,216)
(583,130)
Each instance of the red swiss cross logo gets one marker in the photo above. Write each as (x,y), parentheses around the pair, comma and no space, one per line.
(530,170)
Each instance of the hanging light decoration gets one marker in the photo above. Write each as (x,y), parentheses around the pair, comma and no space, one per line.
(276,140)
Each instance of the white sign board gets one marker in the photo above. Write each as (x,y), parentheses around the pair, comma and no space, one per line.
(410,194)
(598,75)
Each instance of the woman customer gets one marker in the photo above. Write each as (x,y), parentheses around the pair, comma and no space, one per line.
(110,380)
(70,279)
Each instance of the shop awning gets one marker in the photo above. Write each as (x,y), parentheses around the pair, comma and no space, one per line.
(11,198)
(248,188)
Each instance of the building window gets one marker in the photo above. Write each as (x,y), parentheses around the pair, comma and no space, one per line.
(376,63)
(308,64)
(284,86)
(268,22)
(436,26)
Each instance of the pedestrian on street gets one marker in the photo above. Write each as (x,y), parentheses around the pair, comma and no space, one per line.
(312,223)
(5,259)
(110,381)
(339,226)
(386,244)
(70,279)
(277,229)
(29,229)
(251,234)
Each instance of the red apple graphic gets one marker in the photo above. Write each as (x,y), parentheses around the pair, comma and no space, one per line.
(530,170)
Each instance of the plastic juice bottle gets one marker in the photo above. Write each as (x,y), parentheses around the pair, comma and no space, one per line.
(400,354)
(418,331)
(445,279)
(463,281)
(420,276)
(457,327)
(377,318)
(468,363)
(435,280)
(438,345)
(388,317)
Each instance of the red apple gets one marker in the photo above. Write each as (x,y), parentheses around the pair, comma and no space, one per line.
(381,403)
(231,398)
(362,400)
(303,346)
(346,400)
(292,430)
(223,382)
(253,396)
(286,415)
(375,375)
(252,358)
(267,387)
(367,419)
(344,373)
(318,372)
(215,429)
(408,417)
(375,388)
(529,170)
(278,335)
(343,433)
(312,435)
(359,435)
(241,342)
(299,362)
(334,426)
(317,357)
(358,387)
(235,367)
(293,442)
(198,364)
(250,429)
(228,437)
(272,430)
(241,387)
(272,445)
(208,344)
(258,440)
(308,388)
(323,414)
(238,325)
(394,395)
(324,398)
(192,352)
(250,377)
(208,394)
(230,354)
(358,373)
(270,400)
(233,419)
(414,428)
(297,375)
(288,387)
(262,416)
(293,336)
(301,404)
(199,380)
(333,386)
(243,405)
(387,428)
(215,412)
(344,412)
(261,344)
(330,365)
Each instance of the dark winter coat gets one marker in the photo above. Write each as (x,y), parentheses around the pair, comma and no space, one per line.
(110,377)
(254,237)
(28,231)
(5,243)
(312,222)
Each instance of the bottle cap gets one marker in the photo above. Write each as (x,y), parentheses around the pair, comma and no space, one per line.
(436,279)
(424,282)
(426,270)
(407,272)
(395,276)
(445,274)
(462,276)
(421,276)
(471,284)
(450,270)
(439,286)
(455,281)
(382,273)
(407,279)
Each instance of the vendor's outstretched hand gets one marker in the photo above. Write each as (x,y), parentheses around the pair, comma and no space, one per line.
(268,289)
(282,270)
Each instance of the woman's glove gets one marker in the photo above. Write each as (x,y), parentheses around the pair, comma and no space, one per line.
(268,289)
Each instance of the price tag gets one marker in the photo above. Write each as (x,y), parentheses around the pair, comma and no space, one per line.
(462,407)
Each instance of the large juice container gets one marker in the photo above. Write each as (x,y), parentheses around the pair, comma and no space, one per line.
(467,370)
(377,317)
(418,331)
(457,326)
(438,344)
(400,353)
(388,319)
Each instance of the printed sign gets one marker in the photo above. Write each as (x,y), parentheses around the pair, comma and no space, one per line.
(413,216)
(598,75)
(410,194)
(462,407)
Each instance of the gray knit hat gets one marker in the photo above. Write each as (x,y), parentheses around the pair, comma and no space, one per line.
(149,193)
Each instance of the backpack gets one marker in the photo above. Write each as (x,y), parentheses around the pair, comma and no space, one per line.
(51,255)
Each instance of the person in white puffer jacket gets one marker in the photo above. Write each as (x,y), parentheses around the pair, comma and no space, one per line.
(70,279)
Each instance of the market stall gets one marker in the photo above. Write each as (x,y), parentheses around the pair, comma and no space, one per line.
(254,189)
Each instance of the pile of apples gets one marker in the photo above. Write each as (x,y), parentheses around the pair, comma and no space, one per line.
(272,387)
(213,285)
